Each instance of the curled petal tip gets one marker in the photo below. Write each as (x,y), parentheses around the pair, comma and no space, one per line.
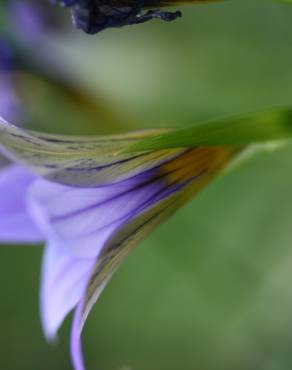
(75,340)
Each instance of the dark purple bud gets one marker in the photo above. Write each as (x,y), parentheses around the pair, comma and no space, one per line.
(93,16)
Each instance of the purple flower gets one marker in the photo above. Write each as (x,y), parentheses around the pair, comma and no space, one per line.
(31,19)
(91,203)
(10,106)
(28,21)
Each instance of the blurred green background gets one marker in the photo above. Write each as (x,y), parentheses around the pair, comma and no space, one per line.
(211,289)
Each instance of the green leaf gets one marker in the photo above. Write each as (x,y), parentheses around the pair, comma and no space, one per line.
(254,128)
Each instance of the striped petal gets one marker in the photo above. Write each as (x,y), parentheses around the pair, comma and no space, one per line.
(187,175)
(101,203)
(103,224)
(16,225)
(114,252)
(84,219)
(79,161)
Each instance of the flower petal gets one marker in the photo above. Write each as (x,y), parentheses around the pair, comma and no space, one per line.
(83,219)
(79,161)
(16,225)
(105,223)
(75,341)
(10,105)
(116,200)
(114,252)
(64,279)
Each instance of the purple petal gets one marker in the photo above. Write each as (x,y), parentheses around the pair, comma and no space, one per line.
(27,17)
(16,225)
(114,252)
(84,219)
(64,279)
(77,326)
(10,105)
(85,222)
(79,223)
(32,19)
(75,345)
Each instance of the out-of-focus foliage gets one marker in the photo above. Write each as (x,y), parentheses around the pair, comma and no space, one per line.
(40,79)
(211,289)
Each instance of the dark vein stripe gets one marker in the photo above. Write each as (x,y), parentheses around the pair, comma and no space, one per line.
(158,196)
(147,182)
(107,255)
